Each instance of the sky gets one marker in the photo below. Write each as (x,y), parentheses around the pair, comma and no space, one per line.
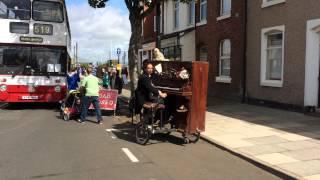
(99,32)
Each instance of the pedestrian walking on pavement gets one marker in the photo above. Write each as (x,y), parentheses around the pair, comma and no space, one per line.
(90,84)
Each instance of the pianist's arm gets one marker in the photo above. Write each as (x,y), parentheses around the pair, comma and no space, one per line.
(146,83)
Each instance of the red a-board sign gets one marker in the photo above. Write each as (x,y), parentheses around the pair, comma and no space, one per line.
(108,99)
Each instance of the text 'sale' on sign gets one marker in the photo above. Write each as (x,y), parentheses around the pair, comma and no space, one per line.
(108,99)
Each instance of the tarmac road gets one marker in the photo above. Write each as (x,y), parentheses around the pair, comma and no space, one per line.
(36,144)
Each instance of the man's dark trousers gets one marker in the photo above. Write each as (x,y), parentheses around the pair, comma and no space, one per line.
(86,101)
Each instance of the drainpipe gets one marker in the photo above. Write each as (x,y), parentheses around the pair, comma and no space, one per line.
(244,76)
(158,37)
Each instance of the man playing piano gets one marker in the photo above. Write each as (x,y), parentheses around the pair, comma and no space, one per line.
(146,92)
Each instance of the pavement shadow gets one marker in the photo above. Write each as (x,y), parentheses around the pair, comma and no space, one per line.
(282,120)
(126,131)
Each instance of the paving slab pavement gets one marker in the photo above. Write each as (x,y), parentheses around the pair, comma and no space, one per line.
(287,142)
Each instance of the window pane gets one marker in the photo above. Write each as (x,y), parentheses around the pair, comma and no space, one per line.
(274,56)
(225,48)
(225,7)
(203,54)
(275,40)
(191,7)
(225,67)
(274,64)
(47,11)
(176,14)
(203,10)
(15,9)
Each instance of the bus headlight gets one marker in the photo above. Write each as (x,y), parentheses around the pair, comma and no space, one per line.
(3,88)
(57,89)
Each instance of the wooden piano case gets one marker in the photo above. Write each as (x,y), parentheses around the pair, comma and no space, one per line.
(191,93)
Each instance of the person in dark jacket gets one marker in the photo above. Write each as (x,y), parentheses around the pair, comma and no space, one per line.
(146,91)
(116,81)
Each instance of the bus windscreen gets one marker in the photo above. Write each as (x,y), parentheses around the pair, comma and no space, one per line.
(47,11)
(32,61)
(15,9)
(13,59)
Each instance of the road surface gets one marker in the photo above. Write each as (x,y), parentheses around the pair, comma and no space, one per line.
(36,144)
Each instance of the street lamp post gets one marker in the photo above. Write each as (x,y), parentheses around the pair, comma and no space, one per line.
(118,53)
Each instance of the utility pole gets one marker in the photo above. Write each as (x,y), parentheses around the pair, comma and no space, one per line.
(74,55)
(77,60)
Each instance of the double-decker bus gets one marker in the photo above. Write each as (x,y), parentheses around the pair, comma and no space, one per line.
(35,41)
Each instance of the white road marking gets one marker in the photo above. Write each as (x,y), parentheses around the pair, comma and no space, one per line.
(112,130)
(118,130)
(130,155)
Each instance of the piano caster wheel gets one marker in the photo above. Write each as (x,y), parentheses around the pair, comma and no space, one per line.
(186,140)
(194,137)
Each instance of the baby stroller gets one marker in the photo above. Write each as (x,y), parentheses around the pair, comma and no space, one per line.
(71,106)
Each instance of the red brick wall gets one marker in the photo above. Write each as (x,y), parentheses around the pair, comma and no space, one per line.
(211,34)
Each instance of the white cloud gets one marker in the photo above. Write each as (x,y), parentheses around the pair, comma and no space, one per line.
(98,31)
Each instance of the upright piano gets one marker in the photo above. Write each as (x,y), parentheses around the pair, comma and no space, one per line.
(186,84)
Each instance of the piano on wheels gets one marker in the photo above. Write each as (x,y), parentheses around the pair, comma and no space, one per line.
(186,84)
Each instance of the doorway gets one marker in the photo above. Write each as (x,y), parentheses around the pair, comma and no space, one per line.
(312,65)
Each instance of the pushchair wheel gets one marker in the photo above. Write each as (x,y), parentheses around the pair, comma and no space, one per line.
(66,117)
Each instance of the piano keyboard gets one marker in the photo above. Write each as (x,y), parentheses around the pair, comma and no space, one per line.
(167,88)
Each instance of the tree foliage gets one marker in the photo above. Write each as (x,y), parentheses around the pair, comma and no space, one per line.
(138,10)
(132,5)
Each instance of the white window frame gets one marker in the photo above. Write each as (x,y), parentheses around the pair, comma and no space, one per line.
(264,41)
(191,14)
(267,3)
(222,78)
(176,11)
(224,15)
